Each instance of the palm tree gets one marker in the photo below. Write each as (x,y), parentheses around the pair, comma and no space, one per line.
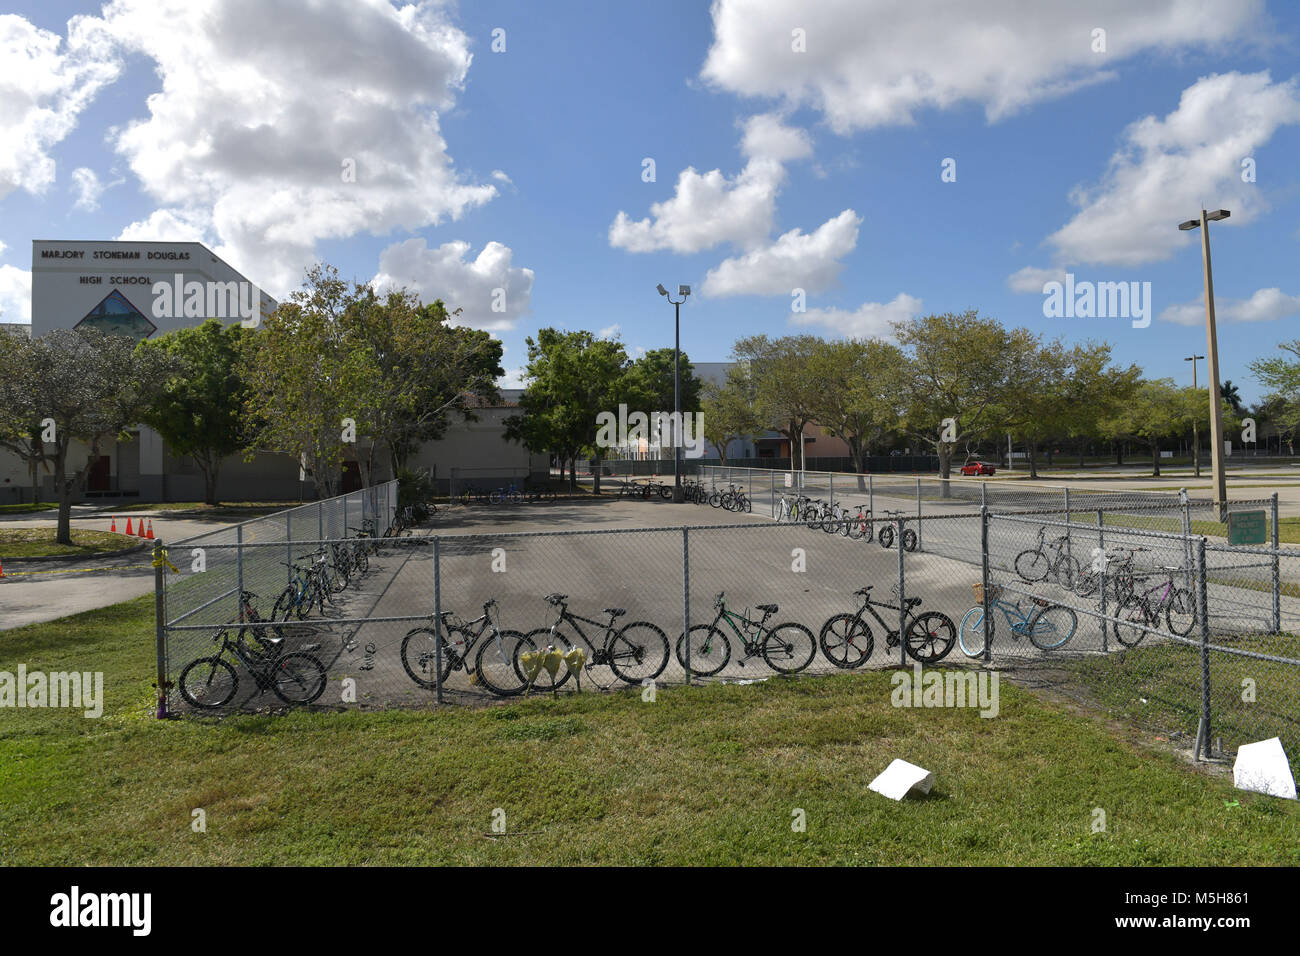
(1232,396)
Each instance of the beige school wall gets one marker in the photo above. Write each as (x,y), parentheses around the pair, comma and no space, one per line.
(479,446)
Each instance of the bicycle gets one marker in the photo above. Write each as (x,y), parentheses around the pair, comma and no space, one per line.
(860,524)
(734,499)
(787,648)
(306,589)
(1049,626)
(1139,612)
(847,642)
(653,486)
(635,652)
(494,665)
(886,534)
(1035,564)
(208,682)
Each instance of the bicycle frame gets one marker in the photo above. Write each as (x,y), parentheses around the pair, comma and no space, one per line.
(731,617)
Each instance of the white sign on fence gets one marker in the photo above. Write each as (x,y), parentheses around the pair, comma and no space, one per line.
(789,480)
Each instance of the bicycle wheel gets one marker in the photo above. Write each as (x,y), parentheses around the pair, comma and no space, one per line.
(1180,612)
(497,497)
(1066,572)
(1087,581)
(909,539)
(973,636)
(1133,616)
(665,492)
(495,663)
(1032,566)
(789,648)
(362,560)
(886,536)
(285,604)
(715,500)
(930,637)
(748,504)
(420,655)
(710,650)
(515,497)
(846,641)
(540,639)
(638,652)
(207,682)
(857,528)
(298,678)
(1050,627)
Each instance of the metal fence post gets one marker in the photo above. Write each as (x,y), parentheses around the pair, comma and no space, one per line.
(1068,542)
(871,494)
(686,598)
(320,520)
(902,596)
(437,622)
(160,626)
(773,499)
(984,578)
(984,494)
(239,572)
(288,546)
(919,544)
(1277,575)
(1101,544)
(1203,733)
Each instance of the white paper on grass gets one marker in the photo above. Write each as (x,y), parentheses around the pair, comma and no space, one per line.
(900,778)
(1263,768)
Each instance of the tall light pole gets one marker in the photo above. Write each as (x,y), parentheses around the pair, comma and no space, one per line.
(683,291)
(1196,441)
(1212,362)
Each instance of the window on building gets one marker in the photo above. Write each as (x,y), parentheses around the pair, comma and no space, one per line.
(116,316)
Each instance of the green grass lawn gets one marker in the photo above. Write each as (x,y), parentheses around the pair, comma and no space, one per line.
(702,775)
(39,542)
(28,508)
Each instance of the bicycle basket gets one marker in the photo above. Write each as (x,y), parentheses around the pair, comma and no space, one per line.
(995,591)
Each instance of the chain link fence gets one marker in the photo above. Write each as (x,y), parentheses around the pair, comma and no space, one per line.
(1174,631)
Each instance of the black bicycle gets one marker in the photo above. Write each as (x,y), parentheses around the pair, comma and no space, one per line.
(296,678)
(847,642)
(635,652)
(886,534)
(494,665)
(787,648)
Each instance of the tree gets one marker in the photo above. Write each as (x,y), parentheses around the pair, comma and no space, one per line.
(199,409)
(956,385)
(784,389)
(1231,394)
(728,411)
(1280,376)
(306,375)
(857,401)
(572,377)
(648,384)
(1158,409)
(91,386)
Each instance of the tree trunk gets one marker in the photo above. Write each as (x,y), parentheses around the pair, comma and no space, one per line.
(1081,447)
(595,473)
(1155,459)
(945,469)
(858,453)
(573,474)
(210,482)
(64,533)
(1049,454)
(1033,459)
(1119,453)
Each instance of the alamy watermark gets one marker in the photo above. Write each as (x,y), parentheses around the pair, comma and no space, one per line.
(72,689)
(654,430)
(946,688)
(177,299)
(1098,300)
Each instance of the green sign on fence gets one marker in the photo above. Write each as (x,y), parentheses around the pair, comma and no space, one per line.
(1247,527)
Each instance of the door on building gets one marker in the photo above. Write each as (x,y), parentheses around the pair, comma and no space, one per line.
(351,477)
(99,478)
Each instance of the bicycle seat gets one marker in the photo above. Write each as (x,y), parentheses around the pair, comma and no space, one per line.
(615,611)
(913,602)
(769,608)
(556,598)
(866,590)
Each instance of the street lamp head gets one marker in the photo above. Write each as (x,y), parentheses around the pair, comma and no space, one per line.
(683,290)
(1189,224)
(662,290)
(1218,214)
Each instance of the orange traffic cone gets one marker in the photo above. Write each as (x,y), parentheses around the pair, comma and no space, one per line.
(2,570)
(128,526)
(150,534)
(113,530)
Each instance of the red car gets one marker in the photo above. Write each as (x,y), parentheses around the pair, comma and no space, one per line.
(977,468)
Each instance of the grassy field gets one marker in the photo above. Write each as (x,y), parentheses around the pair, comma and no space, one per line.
(39,542)
(701,775)
(27,508)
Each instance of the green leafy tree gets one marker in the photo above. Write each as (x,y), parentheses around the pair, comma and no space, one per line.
(1157,410)
(1280,376)
(199,409)
(648,384)
(781,379)
(728,411)
(91,386)
(858,398)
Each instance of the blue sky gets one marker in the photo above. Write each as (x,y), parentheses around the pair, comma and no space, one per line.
(227,121)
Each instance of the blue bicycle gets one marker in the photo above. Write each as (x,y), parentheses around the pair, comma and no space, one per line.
(1049,626)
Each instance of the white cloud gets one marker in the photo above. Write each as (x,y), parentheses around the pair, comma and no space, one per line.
(875,63)
(767,137)
(477,286)
(88,188)
(706,210)
(1168,167)
(15,294)
(45,83)
(3,247)
(609,331)
(514,378)
(266,108)
(794,261)
(1266,305)
(501,177)
(171,225)
(1032,279)
(869,320)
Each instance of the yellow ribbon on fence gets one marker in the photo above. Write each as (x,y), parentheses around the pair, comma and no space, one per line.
(160,560)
